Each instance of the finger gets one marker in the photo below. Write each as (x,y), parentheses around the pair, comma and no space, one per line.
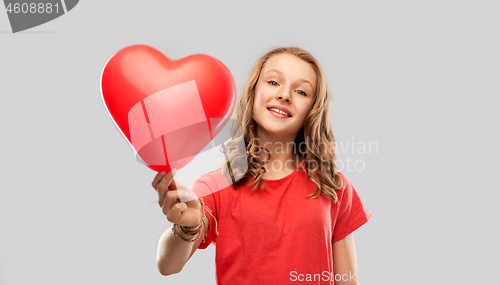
(173,185)
(190,195)
(175,214)
(163,186)
(184,215)
(187,195)
(183,194)
(172,198)
(189,217)
(167,178)
(157,179)
(163,189)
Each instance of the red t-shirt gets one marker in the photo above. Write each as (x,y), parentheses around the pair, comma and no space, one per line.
(273,235)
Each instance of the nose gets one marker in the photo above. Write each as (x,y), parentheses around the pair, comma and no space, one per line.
(284,97)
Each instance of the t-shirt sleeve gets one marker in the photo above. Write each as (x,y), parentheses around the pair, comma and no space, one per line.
(202,188)
(349,213)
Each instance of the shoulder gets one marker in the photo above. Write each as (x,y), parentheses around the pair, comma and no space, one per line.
(346,189)
(345,182)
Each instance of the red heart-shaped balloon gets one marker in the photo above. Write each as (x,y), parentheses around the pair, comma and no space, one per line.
(167,110)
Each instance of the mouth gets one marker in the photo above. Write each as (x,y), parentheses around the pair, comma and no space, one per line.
(278,111)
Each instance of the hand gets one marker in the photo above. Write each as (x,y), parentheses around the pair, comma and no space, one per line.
(170,195)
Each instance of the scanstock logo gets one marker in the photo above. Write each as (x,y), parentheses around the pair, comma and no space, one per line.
(26,14)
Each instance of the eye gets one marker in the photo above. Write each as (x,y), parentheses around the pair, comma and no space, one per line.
(301,92)
(273,83)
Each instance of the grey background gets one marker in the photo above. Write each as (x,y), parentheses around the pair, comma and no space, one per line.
(419,78)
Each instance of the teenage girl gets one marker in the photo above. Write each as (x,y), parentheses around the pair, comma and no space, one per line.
(278,211)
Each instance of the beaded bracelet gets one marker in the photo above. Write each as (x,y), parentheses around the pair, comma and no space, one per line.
(188,233)
(193,230)
(181,238)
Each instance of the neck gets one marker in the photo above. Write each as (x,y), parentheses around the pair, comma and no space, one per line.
(282,157)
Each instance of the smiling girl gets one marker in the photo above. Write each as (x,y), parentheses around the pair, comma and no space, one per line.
(279,206)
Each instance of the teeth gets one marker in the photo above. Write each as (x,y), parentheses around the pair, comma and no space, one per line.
(279,111)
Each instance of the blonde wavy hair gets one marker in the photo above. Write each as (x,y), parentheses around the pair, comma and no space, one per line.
(314,143)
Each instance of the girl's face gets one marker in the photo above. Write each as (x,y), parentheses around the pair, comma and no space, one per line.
(287,83)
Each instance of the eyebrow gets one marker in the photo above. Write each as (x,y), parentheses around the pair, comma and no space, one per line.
(281,73)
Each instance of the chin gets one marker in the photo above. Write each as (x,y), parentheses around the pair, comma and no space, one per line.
(282,132)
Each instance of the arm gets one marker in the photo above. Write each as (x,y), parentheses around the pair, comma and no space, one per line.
(344,261)
(172,253)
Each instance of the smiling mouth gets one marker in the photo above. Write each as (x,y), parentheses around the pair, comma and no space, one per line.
(279,111)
